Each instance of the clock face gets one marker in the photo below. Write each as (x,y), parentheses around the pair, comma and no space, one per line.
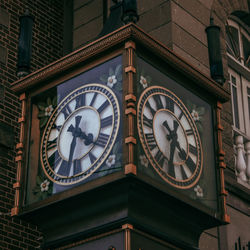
(80,134)
(169,137)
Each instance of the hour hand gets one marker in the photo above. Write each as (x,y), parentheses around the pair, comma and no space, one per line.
(165,124)
(182,152)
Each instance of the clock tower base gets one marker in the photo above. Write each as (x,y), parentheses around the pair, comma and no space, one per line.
(124,208)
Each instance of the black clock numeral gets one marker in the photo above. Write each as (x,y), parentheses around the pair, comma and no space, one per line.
(64,168)
(103,106)
(158,102)
(170,104)
(183,173)
(52,144)
(54,126)
(102,140)
(189,132)
(54,159)
(93,99)
(171,169)
(147,122)
(151,141)
(180,115)
(77,166)
(159,157)
(92,158)
(80,101)
(150,108)
(107,121)
(66,111)
(191,165)
(193,149)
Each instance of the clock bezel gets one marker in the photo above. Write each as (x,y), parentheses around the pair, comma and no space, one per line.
(199,164)
(115,125)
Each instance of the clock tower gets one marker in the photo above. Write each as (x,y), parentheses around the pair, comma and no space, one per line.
(120,148)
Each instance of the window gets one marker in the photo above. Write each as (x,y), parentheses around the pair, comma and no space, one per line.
(238,52)
(238,46)
(240,94)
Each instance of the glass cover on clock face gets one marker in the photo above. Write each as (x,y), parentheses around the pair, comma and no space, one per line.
(75,131)
(175,130)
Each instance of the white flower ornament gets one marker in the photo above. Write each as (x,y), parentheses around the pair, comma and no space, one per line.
(195,115)
(110,161)
(143,82)
(48,110)
(144,161)
(198,190)
(45,186)
(111,81)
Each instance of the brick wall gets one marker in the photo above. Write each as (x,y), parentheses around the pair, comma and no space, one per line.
(47,47)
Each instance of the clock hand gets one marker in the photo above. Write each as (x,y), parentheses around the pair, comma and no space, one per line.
(79,133)
(172,150)
(88,138)
(176,125)
(73,143)
(182,152)
(172,133)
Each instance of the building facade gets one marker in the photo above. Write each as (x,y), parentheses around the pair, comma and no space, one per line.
(61,27)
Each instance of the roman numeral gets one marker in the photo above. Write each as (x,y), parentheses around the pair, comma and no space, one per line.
(92,158)
(54,159)
(193,149)
(158,101)
(150,108)
(77,167)
(80,101)
(169,104)
(93,99)
(64,168)
(147,122)
(102,140)
(180,115)
(151,141)
(51,144)
(191,165)
(107,121)
(171,171)
(183,173)
(54,126)
(189,132)
(103,106)
(159,157)
(66,111)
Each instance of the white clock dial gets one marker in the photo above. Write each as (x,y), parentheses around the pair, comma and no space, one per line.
(80,134)
(169,137)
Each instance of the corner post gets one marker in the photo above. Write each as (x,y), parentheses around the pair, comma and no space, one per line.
(130,108)
(19,158)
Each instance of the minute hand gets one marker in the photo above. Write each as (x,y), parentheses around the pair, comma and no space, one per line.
(182,152)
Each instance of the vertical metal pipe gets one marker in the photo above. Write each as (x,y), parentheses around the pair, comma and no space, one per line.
(25,44)
(129,11)
(215,58)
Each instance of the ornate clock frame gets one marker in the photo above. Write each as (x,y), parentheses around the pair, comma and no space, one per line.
(125,193)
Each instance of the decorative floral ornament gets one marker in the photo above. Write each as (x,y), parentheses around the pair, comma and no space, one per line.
(111,81)
(110,161)
(48,110)
(195,114)
(144,161)
(198,190)
(113,78)
(45,186)
(143,82)
(45,109)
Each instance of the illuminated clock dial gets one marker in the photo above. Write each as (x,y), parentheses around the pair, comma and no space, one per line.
(169,137)
(80,134)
